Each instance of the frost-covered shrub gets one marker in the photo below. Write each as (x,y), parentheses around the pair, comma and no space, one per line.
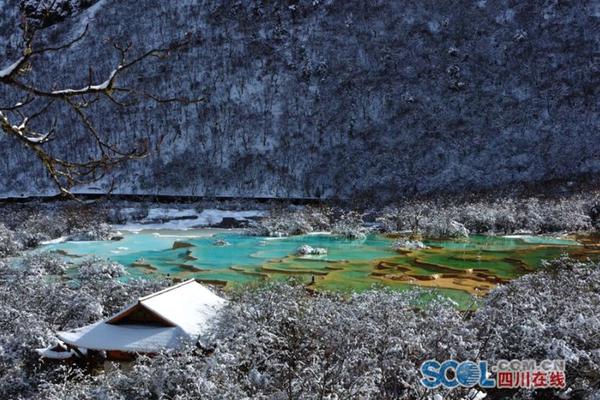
(99,276)
(368,346)
(297,221)
(100,231)
(77,223)
(406,244)
(305,250)
(98,268)
(43,263)
(565,216)
(181,376)
(39,227)
(8,243)
(479,217)
(122,215)
(390,220)
(428,220)
(553,314)
(498,216)
(350,226)
(443,228)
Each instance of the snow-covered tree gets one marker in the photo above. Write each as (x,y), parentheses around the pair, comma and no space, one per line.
(553,314)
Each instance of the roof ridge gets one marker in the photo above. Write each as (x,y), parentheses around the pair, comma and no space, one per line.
(141,299)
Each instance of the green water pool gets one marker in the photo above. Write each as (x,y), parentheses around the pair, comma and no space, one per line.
(457,268)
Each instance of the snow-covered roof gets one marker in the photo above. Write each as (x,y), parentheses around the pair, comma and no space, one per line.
(177,314)
(58,352)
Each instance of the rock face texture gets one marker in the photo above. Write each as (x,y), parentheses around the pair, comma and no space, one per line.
(333,98)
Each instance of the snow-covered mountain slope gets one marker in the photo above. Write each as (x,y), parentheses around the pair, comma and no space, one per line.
(327,98)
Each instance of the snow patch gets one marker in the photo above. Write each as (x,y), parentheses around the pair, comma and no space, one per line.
(61,239)
(90,12)
(176,219)
(10,69)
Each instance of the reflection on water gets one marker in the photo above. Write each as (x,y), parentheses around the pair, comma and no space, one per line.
(458,268)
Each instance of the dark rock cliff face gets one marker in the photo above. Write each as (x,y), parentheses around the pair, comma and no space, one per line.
(335,98)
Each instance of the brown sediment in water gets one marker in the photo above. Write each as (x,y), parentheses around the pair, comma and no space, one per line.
(189,267)
(244,271)
(178,244)
(477,281)
(310,259)
(66,253)
(293,271)
(141,263)
(380,273)
(473,285)
(384,265)
(474,257)
(404,252)
(144,266)
(433,267)
(521,265)
(590,242)
(392,266)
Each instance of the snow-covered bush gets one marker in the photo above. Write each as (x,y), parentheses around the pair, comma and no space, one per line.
(443,228)
(498,216)
(122,215)
(553,314)
(390,220)
(43,263)
(407,245)
(8,243)
(100,231)
(478,218)
(350,226)
(39,227)
(429,220)
(96,268)
(366,347)
(565,216)
(33,226)
(295,221)
(309,250)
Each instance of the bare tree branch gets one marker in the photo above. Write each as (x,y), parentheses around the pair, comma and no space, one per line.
(15,120)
